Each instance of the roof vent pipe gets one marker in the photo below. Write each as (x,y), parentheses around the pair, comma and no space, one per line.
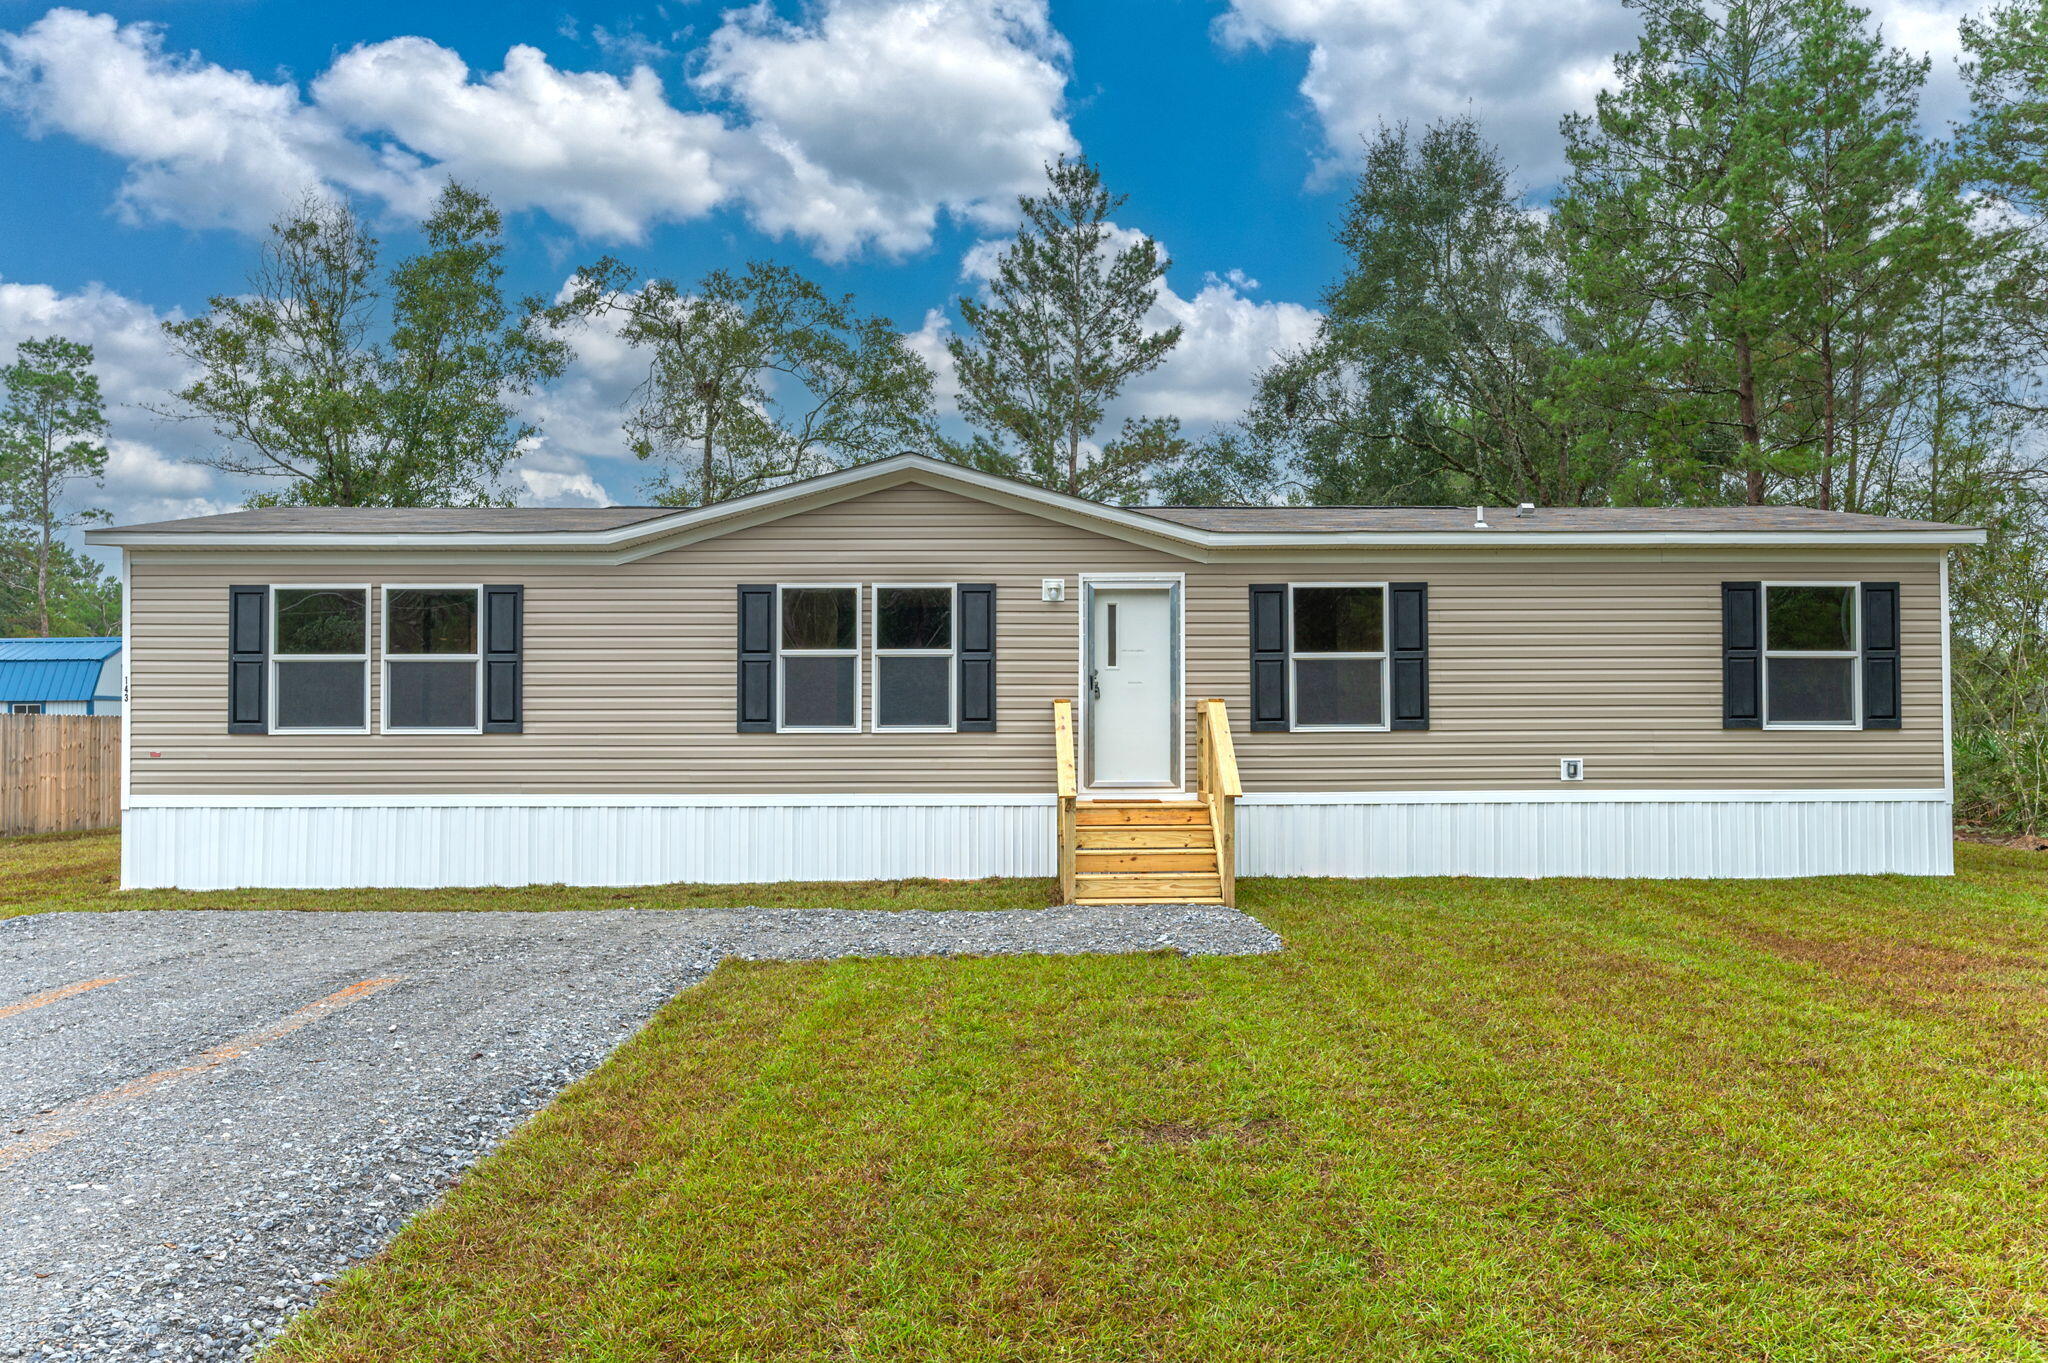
(1479,518)
(1525,509)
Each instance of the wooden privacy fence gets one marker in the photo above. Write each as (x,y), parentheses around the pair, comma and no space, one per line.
(62,772)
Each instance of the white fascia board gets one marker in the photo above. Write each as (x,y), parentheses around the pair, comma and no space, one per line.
(648,537)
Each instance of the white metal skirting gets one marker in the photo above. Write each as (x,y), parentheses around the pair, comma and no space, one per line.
(536,843)
(414,846)
(1664,838)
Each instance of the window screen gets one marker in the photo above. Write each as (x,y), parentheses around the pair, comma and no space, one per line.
(1338,692)
(321,659)
(321,695)
(430,695)
(1811,648)
(914,658)
(818,652)
(431,657)
(1337,658)
(817,691)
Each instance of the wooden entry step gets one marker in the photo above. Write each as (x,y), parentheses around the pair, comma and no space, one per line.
(1145,852)
(1168,849)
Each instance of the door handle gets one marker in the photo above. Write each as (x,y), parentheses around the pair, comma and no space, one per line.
(1094,684)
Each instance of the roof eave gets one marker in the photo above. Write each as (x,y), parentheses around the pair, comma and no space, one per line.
(1217,540)
(702,522)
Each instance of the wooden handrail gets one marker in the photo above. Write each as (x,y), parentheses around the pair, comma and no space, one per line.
(1063,748)
(1218,752)
(1069,791)
(1219,787)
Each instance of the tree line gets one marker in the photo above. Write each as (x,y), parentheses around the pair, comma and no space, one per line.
(1763,278)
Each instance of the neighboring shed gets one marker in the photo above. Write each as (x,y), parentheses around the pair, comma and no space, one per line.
(60,676)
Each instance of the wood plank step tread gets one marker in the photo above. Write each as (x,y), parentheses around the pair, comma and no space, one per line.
(1145,835)
(1100,884)
(1099,816)
(1085,903)
(1148,861)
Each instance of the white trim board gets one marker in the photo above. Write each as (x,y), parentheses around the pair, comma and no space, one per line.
(998,800)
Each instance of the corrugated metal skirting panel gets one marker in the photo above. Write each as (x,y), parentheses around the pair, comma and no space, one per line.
(424,846)
(324,848)
(1712,839)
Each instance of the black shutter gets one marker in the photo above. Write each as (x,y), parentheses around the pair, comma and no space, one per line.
(504,643)
(1269,656)
(1742,645)
(1881,655)
(977,624)
(248,659)
(1408,653)
(757,660)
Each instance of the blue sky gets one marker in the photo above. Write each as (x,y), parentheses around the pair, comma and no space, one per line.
(877,144)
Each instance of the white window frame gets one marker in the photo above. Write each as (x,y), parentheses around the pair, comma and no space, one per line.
(1386,670)
(369,632)
(1854,654)
(781,685)
(876,653)
(26,707)
(387,657)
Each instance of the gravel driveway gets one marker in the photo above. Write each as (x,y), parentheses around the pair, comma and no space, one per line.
(204,1116)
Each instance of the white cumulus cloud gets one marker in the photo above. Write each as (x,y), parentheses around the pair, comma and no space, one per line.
(861,125)
(1520,65)
(886,112)
(204,145)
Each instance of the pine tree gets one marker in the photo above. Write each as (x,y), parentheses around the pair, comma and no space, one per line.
(1858,227)
(52,434)
(1061,332)
(1670,214)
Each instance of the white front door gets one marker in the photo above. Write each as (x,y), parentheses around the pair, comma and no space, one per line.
(1133,677)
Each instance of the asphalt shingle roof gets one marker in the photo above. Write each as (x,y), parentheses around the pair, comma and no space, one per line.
(1555,520)
(1220,519)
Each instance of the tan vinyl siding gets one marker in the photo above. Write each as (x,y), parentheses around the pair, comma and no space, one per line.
(1613,657)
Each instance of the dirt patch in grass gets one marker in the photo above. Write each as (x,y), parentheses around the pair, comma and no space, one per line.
(1912,966)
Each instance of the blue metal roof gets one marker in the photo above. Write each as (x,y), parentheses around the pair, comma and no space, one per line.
(52,669)
(58,650)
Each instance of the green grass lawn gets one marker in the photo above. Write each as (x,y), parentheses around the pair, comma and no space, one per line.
(1454,1120)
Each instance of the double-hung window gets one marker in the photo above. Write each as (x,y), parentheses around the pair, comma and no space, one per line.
(320,661)
(1812,643)
(915,676)
(1337,655)
(432,664)
(817,658)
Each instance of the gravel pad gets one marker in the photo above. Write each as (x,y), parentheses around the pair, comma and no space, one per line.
(205,1115)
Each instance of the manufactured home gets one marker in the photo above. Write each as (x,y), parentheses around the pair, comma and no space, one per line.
(914,669)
